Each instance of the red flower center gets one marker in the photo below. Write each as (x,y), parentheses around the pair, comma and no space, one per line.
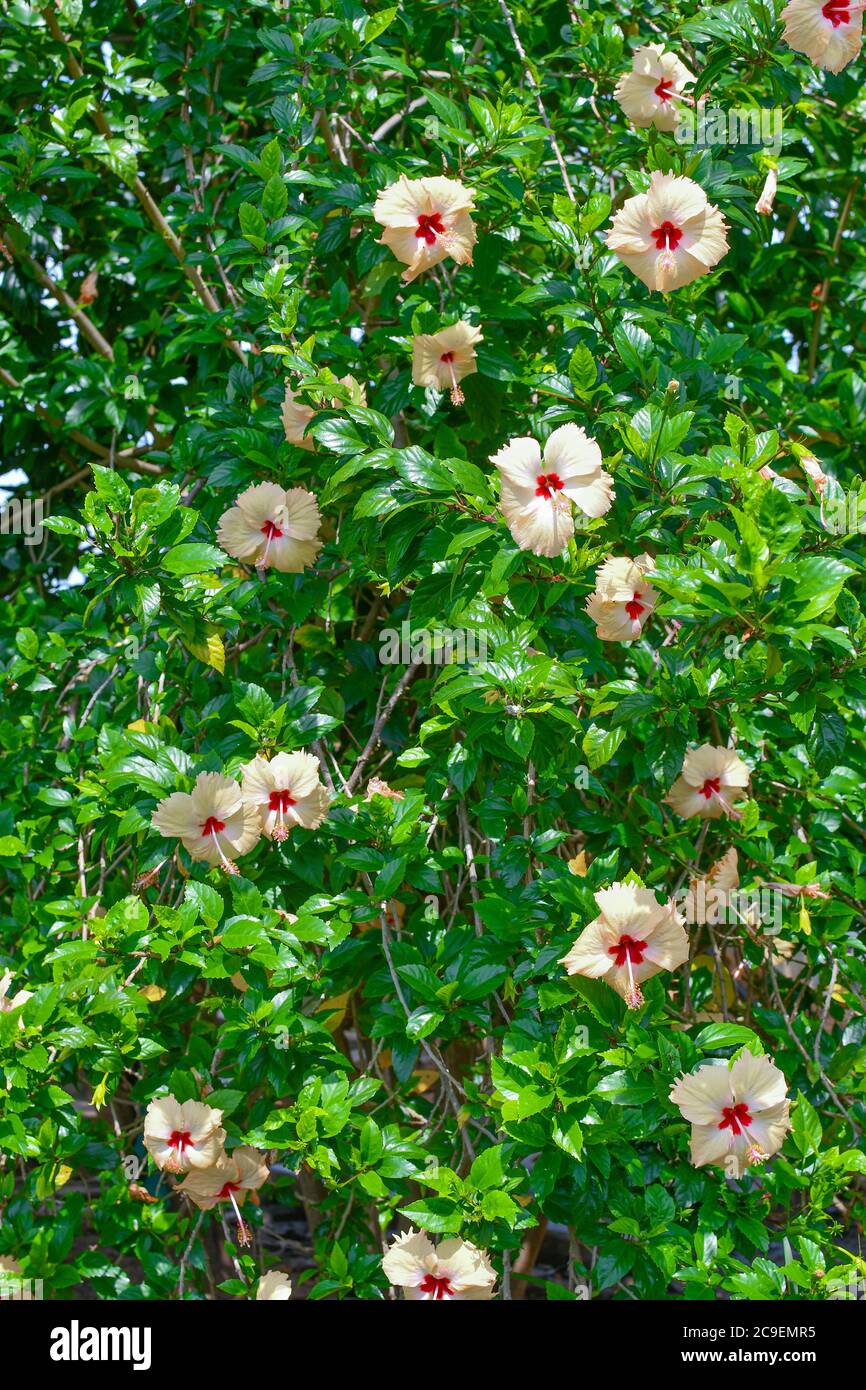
(663,90)
(712,784)
(227,1188)
(271,530)
(429,227)
(180,1139)
(627,949)
(735,1116)
(667,236)
(280,801)
(837,11)
(447,357)
(548,484)
(634,607)
(212,826)
(437,1285)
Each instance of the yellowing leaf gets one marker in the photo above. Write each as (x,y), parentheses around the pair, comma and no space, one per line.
(152,993)
(209,649)
(805,922)
(338,1004)
(578,864)
(710,964)
(63,1174)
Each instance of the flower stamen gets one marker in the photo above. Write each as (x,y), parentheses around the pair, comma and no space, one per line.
(212,827)
(547,484)
(430,225)
(436,1286)
(457,396)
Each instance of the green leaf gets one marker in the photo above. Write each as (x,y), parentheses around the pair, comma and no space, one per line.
(600,744)
(195,558)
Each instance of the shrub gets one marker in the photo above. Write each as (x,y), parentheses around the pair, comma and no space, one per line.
(431,661)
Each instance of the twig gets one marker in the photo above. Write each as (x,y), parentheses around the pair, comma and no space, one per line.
(828,999)
(126,458)
(381,720)
(531,79)
(801,1049)
(145,198)
(824,293)
(77,314)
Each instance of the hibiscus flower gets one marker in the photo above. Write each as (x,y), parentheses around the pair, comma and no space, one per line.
(229,1180)
(274,1285)
(633,938)
(180,1137)
(764,205)
(738,1111)
(296,415)
(670,235)
(270,527)
(829,33)
(443,359)
(537,493)
(7,1003)
(708,899)
(212,822)
(453,1270)
(623,600)
(426,220)
(649,94)
(711,781)
(284,791)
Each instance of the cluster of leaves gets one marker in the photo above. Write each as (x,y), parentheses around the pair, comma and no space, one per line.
(378,1002)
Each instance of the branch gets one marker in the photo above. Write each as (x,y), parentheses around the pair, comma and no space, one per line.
(126,458)
(381,721)
(801,1049)
(144,196)
(73,310)
(824,293)
(531,79)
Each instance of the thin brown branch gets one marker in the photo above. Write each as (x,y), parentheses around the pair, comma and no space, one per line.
(381,720)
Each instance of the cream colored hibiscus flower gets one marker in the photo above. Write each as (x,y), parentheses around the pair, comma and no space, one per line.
(270,527)
(296,415)
(711,781)
(650,94)
(633,938)
(443,359)
(537,493)
(426,220)
(180,1137)
(274,1285)
(212,822)
(15,1001)
(453,1270)
(623,600)
(669,235)
(738,1112)
(284,791)
(229,1180)
(708,899)
(830,32)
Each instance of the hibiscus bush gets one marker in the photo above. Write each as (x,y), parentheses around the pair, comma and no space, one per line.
(432,625)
